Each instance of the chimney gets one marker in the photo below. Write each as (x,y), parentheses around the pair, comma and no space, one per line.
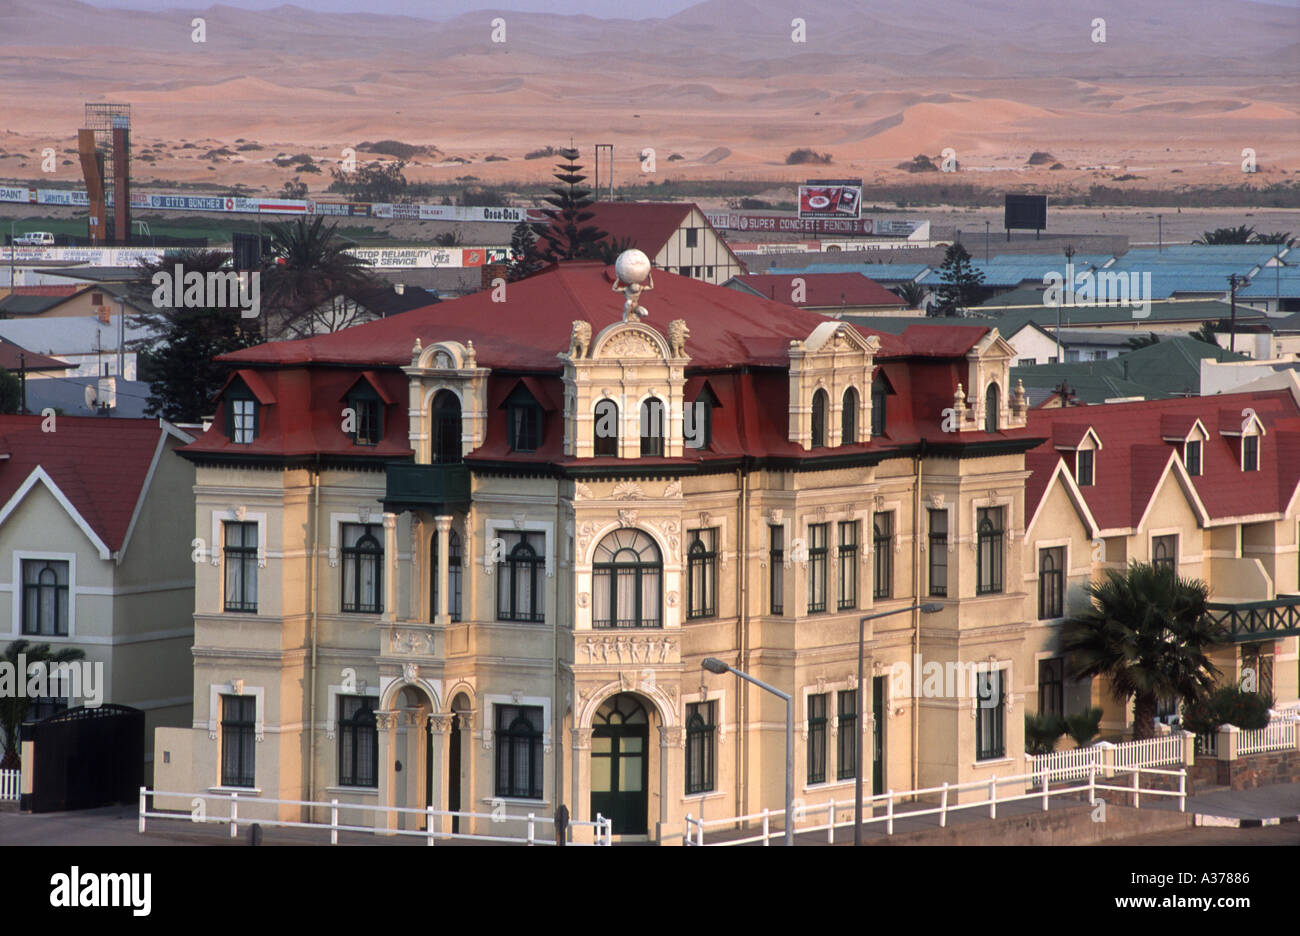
(105,317)
(107,396)
(399,288)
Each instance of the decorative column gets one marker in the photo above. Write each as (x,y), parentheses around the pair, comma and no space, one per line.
(469,755)
(671,769)
(390,567)
(413,767)
(416,599)
(440,764)
(386,724)
(580,805)
(441,613)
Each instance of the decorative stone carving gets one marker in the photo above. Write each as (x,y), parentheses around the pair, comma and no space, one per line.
(519,518)
(627,490)
(584,599)
(237,687)
(363,514)
(582,739)
(581,491)
(440,722)
(672,533)
(936,500)
(673,489)
(705,517)
(672,598)
(410,672)
(586,530)
(622,651)
(239,512)
(580,339)
(677,335)
(671,736)
(627,680)
(775,516)
(820,511)
(385,721)
(627,518)
(629,344)
(471,356)
(416,350)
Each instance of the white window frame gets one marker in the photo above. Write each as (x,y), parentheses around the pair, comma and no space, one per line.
(16,627)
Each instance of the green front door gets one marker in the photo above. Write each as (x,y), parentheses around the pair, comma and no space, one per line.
(619,768)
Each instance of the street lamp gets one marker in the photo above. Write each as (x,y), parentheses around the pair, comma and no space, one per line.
(714,665)
(928,608)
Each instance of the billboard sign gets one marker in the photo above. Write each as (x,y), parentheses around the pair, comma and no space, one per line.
(830,198)
(11,194)
(1025,213)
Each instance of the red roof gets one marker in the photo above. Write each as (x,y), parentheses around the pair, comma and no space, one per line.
(61,290)
(1134,454)
(15,357)
(822,290)
(739,344)
(648,225)
(99,464)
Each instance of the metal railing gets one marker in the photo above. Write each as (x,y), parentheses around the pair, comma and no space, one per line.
(10,784)
(602,828)
(768,818)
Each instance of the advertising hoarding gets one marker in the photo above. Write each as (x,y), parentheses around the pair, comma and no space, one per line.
(830,198)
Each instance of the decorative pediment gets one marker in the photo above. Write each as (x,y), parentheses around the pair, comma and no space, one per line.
(839,336)
(624,340)
(442,356)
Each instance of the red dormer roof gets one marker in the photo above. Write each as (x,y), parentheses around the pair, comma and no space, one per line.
(1135,456)
(14,357)
(648,225)
(98,465)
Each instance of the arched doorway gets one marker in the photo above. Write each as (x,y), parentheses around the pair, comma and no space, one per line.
(446,447)
(459,708)
(620,738)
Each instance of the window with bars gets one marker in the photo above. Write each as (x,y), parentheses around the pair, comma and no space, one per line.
(882,552)
(989,554)
(519,578)
(776,569)
(849,417)
(1051,583)
(990,723)
(846,743)
(45,597)
(938,553)
(627,572)
(240,560)
(358,741)
(1192,458)
(817,534)
(238,733)
(699,747)
(653,428)
(1051,687)
(455,575)
(820,403)
(1083,471)
(817,738)
(1164,552)
(363,562)
(848,571)
(702,573)
(519,762)
(605,429)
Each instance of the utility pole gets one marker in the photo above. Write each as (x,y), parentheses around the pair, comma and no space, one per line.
(986,240)
(1160,233)
(1069,257)
(1232,328)
(22,383)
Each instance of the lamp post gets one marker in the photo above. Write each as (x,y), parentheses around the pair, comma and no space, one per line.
(928,608)
(714,665)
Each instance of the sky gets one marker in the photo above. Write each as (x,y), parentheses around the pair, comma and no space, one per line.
(432,9)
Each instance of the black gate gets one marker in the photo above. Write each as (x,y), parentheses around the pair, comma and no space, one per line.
(86,757)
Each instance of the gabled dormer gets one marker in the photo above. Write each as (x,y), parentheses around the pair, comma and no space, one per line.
(448,401)
(830,386)
(243,399)
(1190,435)
(365,404)
(1079,445)
(1248,429)
(986,401)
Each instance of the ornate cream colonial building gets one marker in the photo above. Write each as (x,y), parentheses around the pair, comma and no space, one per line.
(473,556)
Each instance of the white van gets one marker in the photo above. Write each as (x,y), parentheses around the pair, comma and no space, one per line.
(35,239)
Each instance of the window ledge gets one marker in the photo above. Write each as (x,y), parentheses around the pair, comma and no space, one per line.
(829,785)
(515,801)
(703,797)
(353,791)
(247,791)
(994,762)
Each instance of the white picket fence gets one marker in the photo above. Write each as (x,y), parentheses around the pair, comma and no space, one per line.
(10,784)
(770,823)
(1075,763)
(527,825)
(1278,735)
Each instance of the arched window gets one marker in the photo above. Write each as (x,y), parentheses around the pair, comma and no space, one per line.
(849,418)
(358,741)
(519,585)
(454,575)
(626,581)
(519,751)
(820,403)
(879,390)
(606,428)
(363,560)
(991,408)
(652,427)
(446,426)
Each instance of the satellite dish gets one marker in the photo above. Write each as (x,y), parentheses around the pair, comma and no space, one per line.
(92,396)
(632,267)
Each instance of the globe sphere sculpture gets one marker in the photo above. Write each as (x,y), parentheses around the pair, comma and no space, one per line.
(632,267)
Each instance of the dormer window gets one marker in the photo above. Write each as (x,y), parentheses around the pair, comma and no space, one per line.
(368,415)
(1083,473)
(1192,457)
(1250,453)
(849,418)
(697,421)
(991,401)
(879,390)
(241,418)
(524,417)
(819,405)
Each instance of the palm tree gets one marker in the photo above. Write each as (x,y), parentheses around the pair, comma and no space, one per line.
(13,707)
(308,268)
(607,250)
(1206,333)
(1147,631)
(1226,235)
(911,292)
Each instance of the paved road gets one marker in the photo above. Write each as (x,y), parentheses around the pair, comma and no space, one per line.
(1288,834)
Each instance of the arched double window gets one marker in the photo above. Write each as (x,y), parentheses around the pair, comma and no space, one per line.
(455,575)
(627,577)
(605,428)
(849,418)
(820,404)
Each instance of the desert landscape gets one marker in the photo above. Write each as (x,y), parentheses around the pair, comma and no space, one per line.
(1018,91)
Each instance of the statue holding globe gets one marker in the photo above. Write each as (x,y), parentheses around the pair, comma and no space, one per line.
(632,273)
